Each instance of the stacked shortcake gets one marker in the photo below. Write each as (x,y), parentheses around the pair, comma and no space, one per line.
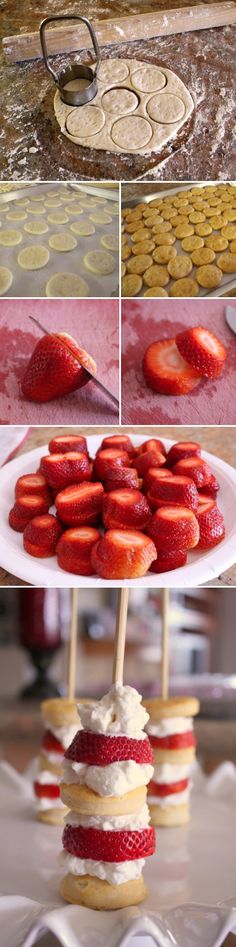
(170,730)
(61,723)
(107,835)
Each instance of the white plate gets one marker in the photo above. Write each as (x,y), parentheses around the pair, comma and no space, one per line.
(202,566)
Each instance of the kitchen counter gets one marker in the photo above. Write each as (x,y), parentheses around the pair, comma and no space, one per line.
(32,145)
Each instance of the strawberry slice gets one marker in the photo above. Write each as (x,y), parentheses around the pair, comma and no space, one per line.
(74,549)
(150,458)
(211,488)
(67,442)
(24,509)
(211,525)
(179,491)
(175,741)
(123,554)
(32,485)
(126,509)
(119,442)
(196,468)
(61,470)
(41,535)
(181,450)
(50,743)
(166,371)
(97,749)
(107,845)
(46,790)
(152,444)
(107,457)
(167,789)
(56,368)
(80,505)
(202,350)
(170,559)
(173,527)
(118,477)
(153,475)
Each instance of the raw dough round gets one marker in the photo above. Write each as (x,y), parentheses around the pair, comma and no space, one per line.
(62,242)
(22,202)
(54,193)
(36,227)
(66,285)
(164,254)
(33,258)
(140,263)
(179,267)
(110,242)
(6,278)
(120,100)
(38,210)
(111,71)
(52,202)
(192,243)
(75,208)
(131,133)
(58,217)
(148,79)
(227,262)
(100,261)
(209,276)
(131,284)
(85,122)
(36,198)
(166,108)
(16,215)
(83,228)
(9,238)
(155,291)
(216,242)
(204,255)
(184,287)
(156,275)
(4,208)
(100,218)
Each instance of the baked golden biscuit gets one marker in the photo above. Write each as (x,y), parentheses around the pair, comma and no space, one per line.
(202,230)
(184,230)
(155,291)
(138,264)
(52,816)
(179,267)
(131,228)
(156,275)
(196,217)
(145,246)
(168,212)
(84,800)
(184,287)
(164,239)
(173,815)
(209,276)
(100,895)
(227,262)
(231,214)
(216,242)
(125,252)
(203,255)
(192,243)
(229,231)
(58,709)
(185,755)
(123,269)
(171,707)
(233,246)
(165,227)
(142,234)
(131,284)
(164,254)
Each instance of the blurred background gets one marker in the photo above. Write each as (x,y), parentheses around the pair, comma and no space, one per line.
(34,628)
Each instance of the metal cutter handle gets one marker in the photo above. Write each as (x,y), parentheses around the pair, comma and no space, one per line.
(75,16)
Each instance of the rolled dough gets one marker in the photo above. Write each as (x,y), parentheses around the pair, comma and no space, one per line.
(100,261)
(66,285)
(62,242)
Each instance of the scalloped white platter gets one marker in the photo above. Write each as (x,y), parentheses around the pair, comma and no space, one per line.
(201,567)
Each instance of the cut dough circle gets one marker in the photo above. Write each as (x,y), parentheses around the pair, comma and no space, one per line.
(16,215)
(86,122)
(110,242)
(36,227)
(75,208)
(66,285)
(38,210)
(100,218)
(83,228)
(58,218)
(9,238)
(53,202)
(119,100)
(166,108)
(21,202)
(6,278)
(111,71)
(131,133)
(33,258)
(62,242)
(100,261)
(36,198)
(148,79)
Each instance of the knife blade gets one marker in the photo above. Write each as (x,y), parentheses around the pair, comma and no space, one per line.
(230,315)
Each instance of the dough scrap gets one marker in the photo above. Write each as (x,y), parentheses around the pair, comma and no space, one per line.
(9,238)
(82,227)
(110,242)
(100,261)
(6,278)
(36,227)
(66,285)
(33,258)
(62,242)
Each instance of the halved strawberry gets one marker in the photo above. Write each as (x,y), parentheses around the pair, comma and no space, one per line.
(202,350)
(118,477)
(74,549)
(108,845)
(104,459)
(196,468)
(50,743)
(123,554)
(41,535)
(97,749)
(119,442)
(152,444)
(67,442)
(181,450)
(24,509)
(211,488)
(211,525)
(150,458)
(166,371)
(56,368)
(167,789)
(81,504)
(173,527)
(46,790)
(170,559)
(155,474)
(32,485)
(179,491)
(125,509)
(61,470)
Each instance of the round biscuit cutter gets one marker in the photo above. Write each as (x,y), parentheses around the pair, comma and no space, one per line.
(73,71)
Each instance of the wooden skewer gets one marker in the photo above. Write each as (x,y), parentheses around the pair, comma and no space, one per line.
(121,620)
(71,673)
(65,39)
(165,645)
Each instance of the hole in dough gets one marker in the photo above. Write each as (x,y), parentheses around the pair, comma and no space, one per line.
(36,227)
(85,122)
(131,133)
(100,261)
(66,285)
(118,100)
(62,242)
(33,258)
(5,279)
(9,238)
(148,79)
(113,71)
(166,108)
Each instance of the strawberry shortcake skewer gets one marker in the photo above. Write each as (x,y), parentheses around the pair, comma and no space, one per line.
(107,835)
(170,730)
(61,723)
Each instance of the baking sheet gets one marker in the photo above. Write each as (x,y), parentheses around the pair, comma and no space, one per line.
(228,282)
(33,282)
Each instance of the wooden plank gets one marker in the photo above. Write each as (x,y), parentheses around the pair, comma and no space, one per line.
(26,46)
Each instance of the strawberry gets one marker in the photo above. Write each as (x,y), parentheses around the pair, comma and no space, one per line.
(211,488)
(125,509)
(175,741)
(166,371)
(155,474)
(80,505)
(123,554)
(150,458)
(167,789)
(152,444)
(168,560)
(32,484)
(46,790)
(181,450)
(108,845)
(41,535)
(67,442)
(196,468)
(107,457)
(97,749)
(56,367)
(74,549)
(119,442)
(118,477)
(51,744)
(202,350)
(173,528)
(211,525)
(24,509)
(61,470)
(179,491)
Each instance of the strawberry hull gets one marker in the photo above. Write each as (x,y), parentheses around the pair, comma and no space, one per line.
(108,846)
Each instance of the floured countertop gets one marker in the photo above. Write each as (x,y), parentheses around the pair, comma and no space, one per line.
(31,145)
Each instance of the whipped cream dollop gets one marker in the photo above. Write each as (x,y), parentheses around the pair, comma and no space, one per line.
(111,823)
(169,773)
(174,799)
(46,778)
(64,734)
(169,726)
(116,873)
(53,757)
(44,804)
(120,712)
(112,780)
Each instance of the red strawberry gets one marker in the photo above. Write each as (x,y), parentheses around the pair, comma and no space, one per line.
(50,743)
(74,549)
(167,789)
(182,450)
(173,528)
(152,444)
(202,350)
(107,457)
(175,741)
(179,491)
(32,484)
(211,488)
(155,474)
(211,525)
(61,470)
(123,554)
(166,371)
(80,505)
(118,477)
(168,560)
(119,442)
(150,458)
(41,535)
(96,749)
(196,468)
(57,367)
(125,509)
(24,509)
(46,790)
(67,442)
(107,845)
